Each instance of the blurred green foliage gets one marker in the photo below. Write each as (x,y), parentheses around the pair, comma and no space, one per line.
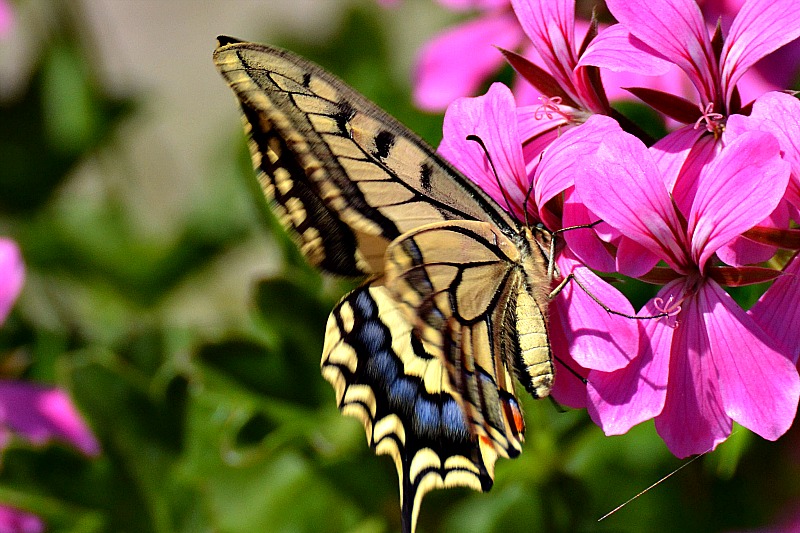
(234,430)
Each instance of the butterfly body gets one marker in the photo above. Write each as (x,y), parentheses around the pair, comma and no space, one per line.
(425,352)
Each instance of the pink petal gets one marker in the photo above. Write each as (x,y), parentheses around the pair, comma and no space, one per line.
(741,251)
(619,400)
(457,62)
(779,114)
(12,276)
(777,312)
(623,169)
(671,152)
(550,25)
(586,244)
(700,153)
(774,72)
(40,414)
(677,31)
(616,49)
(736,190)
(633,259)
(597,339)
(759,28)
(556,172)
(14,520)
(759,386)
(6,18)
(568,389)
(493,118)
(693,420)
(629,63)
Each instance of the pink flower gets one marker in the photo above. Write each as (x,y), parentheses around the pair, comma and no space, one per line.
(37,413)
(14,520)
(675,30)
(6,18)
(710,362)
(41,414)
(582,333)
(458,61)
(12,276)
(776,71)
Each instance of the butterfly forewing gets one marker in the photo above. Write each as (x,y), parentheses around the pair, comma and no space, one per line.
(423,354)
(347,177)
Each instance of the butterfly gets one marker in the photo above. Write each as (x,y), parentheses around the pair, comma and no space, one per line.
(454,307)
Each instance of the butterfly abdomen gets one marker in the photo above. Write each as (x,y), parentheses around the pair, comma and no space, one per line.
(534,359)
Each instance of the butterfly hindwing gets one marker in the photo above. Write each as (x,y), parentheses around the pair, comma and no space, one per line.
(464,286)
(385,377)
(347,178)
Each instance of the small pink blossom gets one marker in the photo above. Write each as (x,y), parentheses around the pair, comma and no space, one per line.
(41,414)
(38,414)
(458,61)
(12,276)
(14,520)
(709,363)
(6,18)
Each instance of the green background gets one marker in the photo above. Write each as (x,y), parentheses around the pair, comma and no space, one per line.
(189,334)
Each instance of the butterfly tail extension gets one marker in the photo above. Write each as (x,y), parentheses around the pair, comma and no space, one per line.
(383,376)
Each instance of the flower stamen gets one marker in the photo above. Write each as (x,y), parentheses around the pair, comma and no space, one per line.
(671,308)
(550,106)
(713,121)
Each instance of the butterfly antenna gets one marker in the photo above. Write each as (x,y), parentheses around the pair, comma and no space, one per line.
(478,140)
(582,226)
(572,278)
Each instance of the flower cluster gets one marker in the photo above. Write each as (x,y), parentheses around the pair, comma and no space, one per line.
(709,205)
(35,413)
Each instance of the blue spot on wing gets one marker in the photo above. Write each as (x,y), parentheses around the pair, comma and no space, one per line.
(365,305)
(372,335)
(402,395)
(427,417)
(383,367)
(453,420)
